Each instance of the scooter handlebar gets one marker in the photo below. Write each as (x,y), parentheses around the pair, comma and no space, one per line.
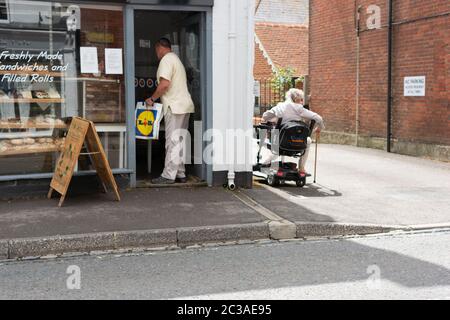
(264,126)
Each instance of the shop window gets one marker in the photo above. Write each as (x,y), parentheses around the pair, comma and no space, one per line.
(58,60)
(4,17)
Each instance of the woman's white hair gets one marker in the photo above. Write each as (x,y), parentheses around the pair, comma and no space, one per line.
(294,95)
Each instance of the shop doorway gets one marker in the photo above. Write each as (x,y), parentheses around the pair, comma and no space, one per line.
(185,30)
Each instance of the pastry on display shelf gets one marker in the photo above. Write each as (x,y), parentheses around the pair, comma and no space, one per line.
(5,123)
(40,94)
(3,95)
(32,122)
(29,143)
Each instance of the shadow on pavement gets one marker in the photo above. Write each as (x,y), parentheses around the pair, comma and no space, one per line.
(285,208)
(310,190)
(312,263)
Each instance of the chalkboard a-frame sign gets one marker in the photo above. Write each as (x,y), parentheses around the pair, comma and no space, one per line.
(81,132)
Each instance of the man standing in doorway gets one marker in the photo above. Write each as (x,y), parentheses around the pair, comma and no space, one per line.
(177,107)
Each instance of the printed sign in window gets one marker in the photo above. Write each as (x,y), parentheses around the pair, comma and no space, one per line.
(89,60)
(113,61)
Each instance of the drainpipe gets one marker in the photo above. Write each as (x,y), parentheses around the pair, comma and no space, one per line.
(389,77)
(231,84)
(358,63)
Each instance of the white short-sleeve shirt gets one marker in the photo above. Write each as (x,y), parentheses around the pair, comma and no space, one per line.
(177,98)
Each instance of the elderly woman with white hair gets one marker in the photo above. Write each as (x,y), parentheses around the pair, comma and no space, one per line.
(292,110)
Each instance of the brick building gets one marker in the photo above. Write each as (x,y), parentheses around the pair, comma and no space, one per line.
(281,41)
(281,36)
(349,74)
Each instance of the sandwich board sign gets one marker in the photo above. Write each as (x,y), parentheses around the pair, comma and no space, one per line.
(81,132)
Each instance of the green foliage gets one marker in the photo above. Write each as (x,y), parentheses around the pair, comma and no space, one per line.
(282,81)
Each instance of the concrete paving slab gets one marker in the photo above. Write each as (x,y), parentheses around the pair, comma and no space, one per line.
(145,239)
(192,236)
(291,209)
(3,249)
(58,245)
(33,247)
(327,229)
(41,246)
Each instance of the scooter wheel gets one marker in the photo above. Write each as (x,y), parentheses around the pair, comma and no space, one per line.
(272,181)
(300,183)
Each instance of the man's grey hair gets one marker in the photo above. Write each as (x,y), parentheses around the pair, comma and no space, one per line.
(294,94)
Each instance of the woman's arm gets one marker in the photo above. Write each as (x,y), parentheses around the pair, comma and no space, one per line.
(273,114)
(307,114)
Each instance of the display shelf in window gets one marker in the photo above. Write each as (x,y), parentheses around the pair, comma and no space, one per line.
(32,104)
(32,100)
(29,145)
(30,117)
(33,124)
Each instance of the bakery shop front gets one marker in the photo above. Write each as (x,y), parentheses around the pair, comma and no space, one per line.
(96,60)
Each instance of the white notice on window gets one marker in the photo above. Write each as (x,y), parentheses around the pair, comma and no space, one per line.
(113,61)
(89,60)
(414,86)
(145,43)
(257,89)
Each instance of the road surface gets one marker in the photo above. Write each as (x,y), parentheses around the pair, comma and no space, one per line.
(399,266)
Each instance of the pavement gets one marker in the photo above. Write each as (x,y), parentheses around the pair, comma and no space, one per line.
(361,185)
(401,266)
(358,191)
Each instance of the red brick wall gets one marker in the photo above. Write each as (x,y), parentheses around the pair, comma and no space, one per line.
(421,48)
(332,67)
(261,69)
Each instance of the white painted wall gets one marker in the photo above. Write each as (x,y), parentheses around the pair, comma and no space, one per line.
(242,104)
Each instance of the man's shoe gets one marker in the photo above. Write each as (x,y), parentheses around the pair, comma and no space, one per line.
(181,180)
(162,180)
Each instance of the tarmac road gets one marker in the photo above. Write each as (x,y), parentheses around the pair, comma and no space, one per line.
(394,266)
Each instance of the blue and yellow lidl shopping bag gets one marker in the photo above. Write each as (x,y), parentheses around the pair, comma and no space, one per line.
(147,121)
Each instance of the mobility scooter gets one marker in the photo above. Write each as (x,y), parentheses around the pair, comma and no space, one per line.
(284,140)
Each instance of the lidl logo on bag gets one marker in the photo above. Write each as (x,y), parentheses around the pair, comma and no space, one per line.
(145,120)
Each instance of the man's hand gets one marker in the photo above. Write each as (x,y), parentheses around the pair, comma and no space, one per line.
(318,132)
(149,102)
